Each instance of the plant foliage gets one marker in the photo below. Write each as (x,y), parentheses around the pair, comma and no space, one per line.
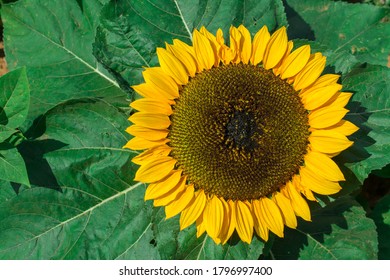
(66,183)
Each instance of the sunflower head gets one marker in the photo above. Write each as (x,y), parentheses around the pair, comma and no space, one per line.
(234,138)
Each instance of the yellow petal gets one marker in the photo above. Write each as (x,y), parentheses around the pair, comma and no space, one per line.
(219,37)
(344,127)
(339,100)
(310,72)
(328,141)
(213,217)
(318,96)
(162,150)
(185,57)
(203,50)
(259,224)
(155,170)
(298,203)
(326,116)
(276,48)
(276,68)
(325,80)
(235,38)
(227,54)
(214,43)
(324,166)
(229,221)
(147,133)
(172,194)
(148,90)
(172,66)
(318,184)
(271,215)
(295,62)
(286,208)
(176,206)
(259,45)
(303,189)
(150,120)
(182,45)
(245,44)
(163,186)
(138,143)
(150,105)
(200,226)
(164,83)
(244,221)
(193,211)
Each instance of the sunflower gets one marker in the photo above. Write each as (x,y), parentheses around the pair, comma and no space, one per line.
(235,137)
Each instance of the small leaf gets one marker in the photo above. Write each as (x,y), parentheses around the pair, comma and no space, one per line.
(12,167)
(14,100)
(339,231)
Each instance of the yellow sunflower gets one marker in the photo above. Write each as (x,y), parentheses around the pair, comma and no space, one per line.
(235,137)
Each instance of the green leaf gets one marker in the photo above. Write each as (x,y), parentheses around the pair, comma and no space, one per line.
(381,217)
(339,231)
(349,30)
(131,30)
(5,132)
(369,109)
(12,167)
(54,39)
(14,100)
(98,213)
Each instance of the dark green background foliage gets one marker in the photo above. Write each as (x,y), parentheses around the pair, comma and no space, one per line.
(66,184)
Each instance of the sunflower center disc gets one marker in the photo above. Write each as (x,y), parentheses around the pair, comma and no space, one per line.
(238,131)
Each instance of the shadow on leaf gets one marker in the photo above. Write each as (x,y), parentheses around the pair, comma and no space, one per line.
(296,240)
(301,28)
(357,152)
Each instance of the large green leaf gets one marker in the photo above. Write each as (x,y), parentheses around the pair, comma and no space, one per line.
(339,231)
(370,110)
(54,39)
(131,30)
(98,213)
(352,31)
(14,104)
(14,98)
